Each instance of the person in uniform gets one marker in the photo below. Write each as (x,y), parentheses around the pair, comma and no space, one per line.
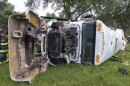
(3,46)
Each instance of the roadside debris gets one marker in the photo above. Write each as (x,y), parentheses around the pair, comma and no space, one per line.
(124,71)
(119,59)
(116,58)
(125,62)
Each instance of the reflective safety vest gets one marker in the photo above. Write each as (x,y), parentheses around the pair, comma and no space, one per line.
(4,44)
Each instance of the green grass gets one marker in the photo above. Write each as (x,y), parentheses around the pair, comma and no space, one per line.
(106,74)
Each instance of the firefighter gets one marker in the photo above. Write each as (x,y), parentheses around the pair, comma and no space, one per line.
(3,46)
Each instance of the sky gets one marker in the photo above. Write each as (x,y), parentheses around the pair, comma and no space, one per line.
(20,7)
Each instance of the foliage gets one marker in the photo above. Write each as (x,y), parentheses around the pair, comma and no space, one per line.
(33,4)
(51,15)
(71,9)
(114,13)
(6,9)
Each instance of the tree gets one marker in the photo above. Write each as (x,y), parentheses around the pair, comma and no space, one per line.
(114,13)
(6,9)
(123,16)
(71,9)
(51,15)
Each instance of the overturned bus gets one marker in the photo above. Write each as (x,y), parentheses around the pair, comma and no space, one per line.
(87,42)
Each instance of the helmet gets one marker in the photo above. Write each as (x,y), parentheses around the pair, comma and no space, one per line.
(2,31)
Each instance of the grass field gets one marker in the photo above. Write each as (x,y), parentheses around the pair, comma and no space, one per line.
(106,74)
